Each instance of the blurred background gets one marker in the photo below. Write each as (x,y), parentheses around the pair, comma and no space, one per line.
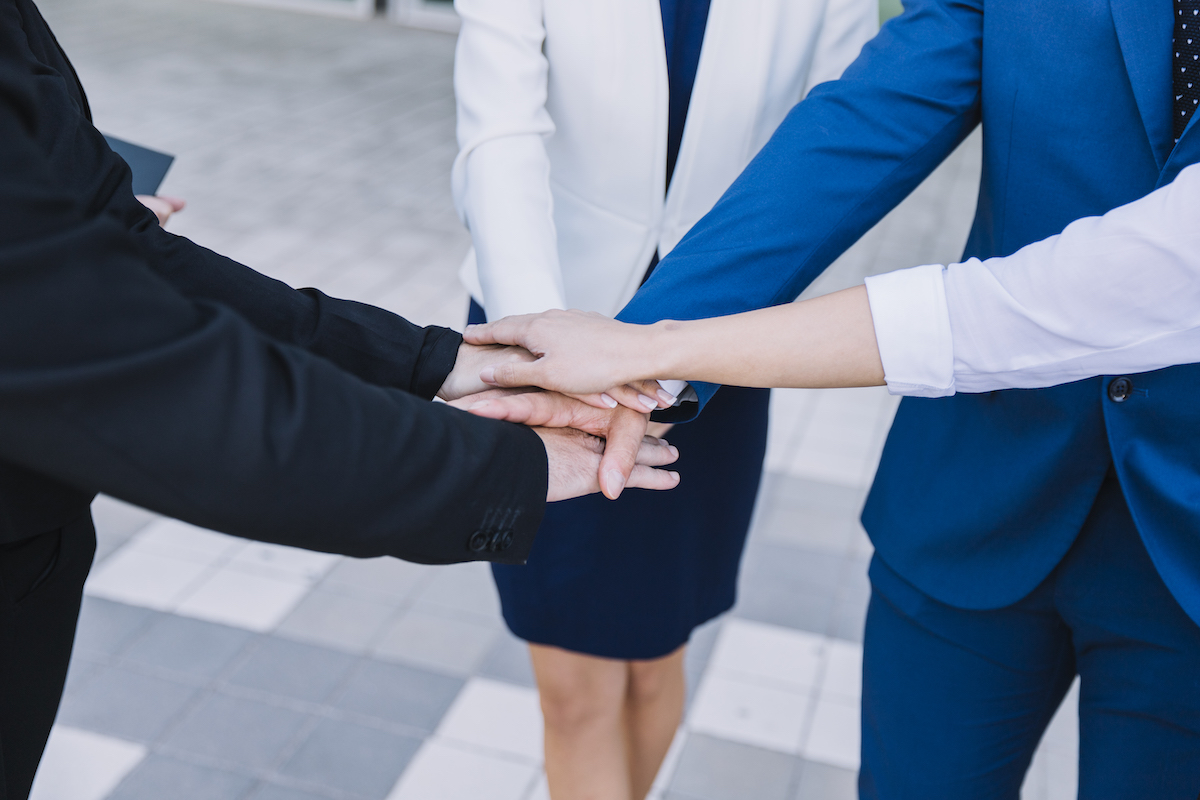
(314,140)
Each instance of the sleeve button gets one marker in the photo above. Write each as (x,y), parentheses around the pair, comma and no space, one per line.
(478,542)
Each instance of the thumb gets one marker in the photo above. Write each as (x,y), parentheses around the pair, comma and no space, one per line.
(513,374)
(621,451)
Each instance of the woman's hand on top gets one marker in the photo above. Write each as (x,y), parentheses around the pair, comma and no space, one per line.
(586,355)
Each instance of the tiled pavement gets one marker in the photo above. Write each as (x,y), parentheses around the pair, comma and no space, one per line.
(317,150)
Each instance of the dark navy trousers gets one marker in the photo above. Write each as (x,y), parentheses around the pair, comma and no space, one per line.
(955,701)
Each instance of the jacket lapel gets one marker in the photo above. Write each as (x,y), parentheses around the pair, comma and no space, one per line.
(1144,29)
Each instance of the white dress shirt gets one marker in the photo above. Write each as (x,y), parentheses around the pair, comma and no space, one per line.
(1109,295)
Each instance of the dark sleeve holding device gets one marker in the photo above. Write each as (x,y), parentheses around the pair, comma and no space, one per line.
(136,363)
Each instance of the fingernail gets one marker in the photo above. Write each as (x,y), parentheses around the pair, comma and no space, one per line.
(674,449)
(480,404)
(649,402)
(616,482)
(488,375)
(608,401)
(675,475)
(666,397)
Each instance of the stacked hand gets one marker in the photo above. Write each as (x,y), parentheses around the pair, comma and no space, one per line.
(592,441)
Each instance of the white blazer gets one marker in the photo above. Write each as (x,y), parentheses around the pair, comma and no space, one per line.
(562,130)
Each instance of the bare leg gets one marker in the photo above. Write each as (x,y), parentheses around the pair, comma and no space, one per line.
(653,710)
(583,702)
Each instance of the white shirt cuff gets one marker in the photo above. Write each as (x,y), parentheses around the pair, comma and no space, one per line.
(912,329)
(682,390)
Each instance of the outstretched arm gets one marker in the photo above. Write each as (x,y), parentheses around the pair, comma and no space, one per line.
(1039,317)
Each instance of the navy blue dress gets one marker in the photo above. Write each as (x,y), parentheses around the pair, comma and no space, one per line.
(631,579)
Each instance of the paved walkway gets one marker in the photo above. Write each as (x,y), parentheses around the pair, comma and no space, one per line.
(317,151)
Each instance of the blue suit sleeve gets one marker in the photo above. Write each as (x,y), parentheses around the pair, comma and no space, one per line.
(843,158)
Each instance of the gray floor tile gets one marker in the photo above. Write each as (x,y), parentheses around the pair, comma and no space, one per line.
(714,769)
(848,622)
(160,777)
(389,576)
(81,670)
(700,648)
(126,704)
(237,731)
(334,618)
(508,661)
(191,646)
(427,636)
(398,693)
(108,627)
(785,606)
(352,758)
(802,513)
(292,669)
(273,791)
(788,586)
(823,782)
(464,587)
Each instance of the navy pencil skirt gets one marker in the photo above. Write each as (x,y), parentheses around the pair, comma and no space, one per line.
(630,579)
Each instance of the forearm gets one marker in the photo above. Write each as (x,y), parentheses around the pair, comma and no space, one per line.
(824,342)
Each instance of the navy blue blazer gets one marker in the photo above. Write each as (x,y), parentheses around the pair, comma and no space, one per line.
(978,497)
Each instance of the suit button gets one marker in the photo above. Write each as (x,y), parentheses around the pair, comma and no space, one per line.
(505,541)
(478,541)
(1120,389)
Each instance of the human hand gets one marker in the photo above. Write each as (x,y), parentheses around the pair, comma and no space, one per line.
(472,359)
(162,206)
(574,457)
(622,429)
(578,353)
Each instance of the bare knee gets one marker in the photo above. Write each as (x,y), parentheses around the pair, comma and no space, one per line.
(578,691)
(651,682)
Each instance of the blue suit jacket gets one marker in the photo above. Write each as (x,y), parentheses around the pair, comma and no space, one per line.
(978,497)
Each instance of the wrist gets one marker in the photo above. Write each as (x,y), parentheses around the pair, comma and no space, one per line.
(665,351)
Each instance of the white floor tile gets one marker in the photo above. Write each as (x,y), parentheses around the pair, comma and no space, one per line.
(254,602)
(497,716)
(447,771)
(174,538)
(836,734)
(80,765)
(767,654)
(145,579)
(749,713)
(285,561)
(843,671)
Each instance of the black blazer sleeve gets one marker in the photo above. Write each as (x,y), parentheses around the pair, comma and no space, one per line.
(114,379)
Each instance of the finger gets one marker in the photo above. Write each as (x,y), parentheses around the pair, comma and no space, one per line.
(544,409)
(655,390)
(176,203)
(650,478)
(510,330)
(656,452)
(515,373)
(624,441)
(600,400)
(633,398)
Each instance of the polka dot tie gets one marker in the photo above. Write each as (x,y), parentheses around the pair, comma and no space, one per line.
(1187,62)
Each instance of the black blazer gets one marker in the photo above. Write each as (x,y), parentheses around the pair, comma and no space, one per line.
(137,363)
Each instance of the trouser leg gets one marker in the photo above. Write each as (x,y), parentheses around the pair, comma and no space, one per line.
(41,586)
(1138,656)
(955,701)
